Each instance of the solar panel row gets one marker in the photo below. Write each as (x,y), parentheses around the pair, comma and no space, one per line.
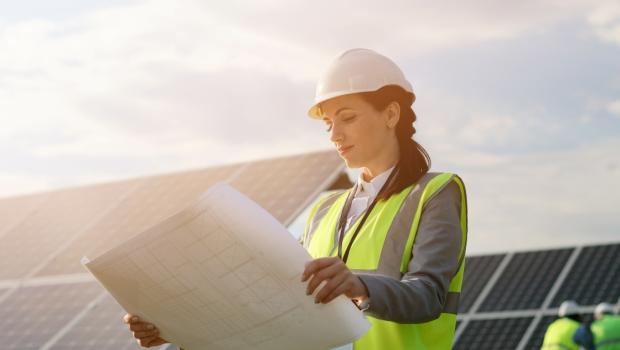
(517,297)
(70,223)
(44,236)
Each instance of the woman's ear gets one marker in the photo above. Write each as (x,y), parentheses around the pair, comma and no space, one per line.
(392,114)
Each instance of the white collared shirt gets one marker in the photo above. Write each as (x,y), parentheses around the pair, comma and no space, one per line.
(366,193)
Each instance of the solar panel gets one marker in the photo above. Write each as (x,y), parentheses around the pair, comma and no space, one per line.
(493,334)
(594,278)
(88,220)
(102,329)
(13,210)
(526,281)
(279,185)
(32,315)
(154,200)
(478,271)
(63,215)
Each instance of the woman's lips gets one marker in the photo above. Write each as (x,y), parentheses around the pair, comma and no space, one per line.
(343,150)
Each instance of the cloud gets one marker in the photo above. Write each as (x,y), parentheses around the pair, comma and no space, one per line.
(543,200)
(605,19)
(614,108)
(154,86)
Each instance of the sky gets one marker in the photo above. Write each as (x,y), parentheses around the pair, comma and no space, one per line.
(521,99)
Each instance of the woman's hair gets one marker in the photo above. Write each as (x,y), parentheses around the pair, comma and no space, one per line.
(414,161)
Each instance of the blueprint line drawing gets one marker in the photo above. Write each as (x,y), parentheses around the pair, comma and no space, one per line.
(224,274)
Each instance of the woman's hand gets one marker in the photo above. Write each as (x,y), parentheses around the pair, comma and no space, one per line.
(145,333)
(339,280)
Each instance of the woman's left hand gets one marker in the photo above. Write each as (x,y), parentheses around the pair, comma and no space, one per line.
(339,280)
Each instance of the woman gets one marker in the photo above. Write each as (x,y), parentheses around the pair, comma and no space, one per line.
(395,242)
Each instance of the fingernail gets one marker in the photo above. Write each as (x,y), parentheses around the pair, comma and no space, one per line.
(134,319)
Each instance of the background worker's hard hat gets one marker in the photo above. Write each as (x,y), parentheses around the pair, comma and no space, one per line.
(603,309)
(568,307)
(357,70)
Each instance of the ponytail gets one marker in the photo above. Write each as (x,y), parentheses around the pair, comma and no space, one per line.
(414,162)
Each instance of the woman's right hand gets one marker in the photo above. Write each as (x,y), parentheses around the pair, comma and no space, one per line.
(145,333)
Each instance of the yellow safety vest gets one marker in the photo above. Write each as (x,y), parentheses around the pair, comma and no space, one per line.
(391,226)
(559,335)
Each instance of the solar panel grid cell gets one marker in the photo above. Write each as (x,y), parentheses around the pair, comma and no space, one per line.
(526,281)
(101,328)
(478,271)
(32,315)
(493,334)
(62,216)
(152,201)
(594,278)
(14,210)
(280,185)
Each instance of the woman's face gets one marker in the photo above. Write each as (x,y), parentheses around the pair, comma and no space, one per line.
(359,132)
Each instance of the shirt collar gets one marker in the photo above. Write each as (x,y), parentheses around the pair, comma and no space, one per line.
(373,186)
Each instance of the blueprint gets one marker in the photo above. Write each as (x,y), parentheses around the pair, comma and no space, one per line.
(224,274)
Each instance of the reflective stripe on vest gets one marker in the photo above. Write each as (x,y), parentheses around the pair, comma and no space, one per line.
(607,333)
(384,246)
(559,335)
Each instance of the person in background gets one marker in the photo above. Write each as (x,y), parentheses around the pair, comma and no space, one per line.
(606,327)
(559,335)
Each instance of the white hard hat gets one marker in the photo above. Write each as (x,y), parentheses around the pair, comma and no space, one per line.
(603,309)
(568,307)
(357,70)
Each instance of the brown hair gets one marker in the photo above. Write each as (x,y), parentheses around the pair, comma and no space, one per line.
(414,161)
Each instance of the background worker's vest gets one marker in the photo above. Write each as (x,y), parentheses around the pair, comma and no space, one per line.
(384,246)
(559,335)
(606,333)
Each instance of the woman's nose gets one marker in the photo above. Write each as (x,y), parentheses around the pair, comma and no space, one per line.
(336,134)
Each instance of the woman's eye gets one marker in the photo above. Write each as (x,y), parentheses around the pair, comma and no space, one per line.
(329,128)
(348,119)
